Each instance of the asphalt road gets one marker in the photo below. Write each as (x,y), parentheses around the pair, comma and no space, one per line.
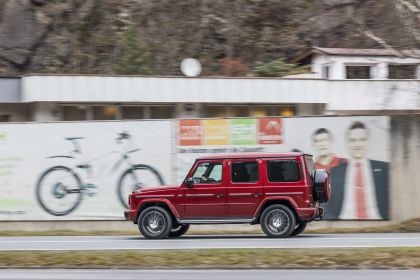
(209,242)
(231,274)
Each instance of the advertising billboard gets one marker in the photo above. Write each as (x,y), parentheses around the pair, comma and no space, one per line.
(85,170)
(51,171)
(355,150)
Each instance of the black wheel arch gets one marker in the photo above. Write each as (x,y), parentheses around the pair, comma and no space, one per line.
(284,202)
(155,203)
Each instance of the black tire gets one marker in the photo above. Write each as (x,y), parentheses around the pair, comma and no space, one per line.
(59,191)
(155,222)
(300,227)
(121,189)
(278,221)
(179,231)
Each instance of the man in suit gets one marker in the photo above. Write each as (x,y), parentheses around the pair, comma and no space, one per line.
(359,186)
(322,141)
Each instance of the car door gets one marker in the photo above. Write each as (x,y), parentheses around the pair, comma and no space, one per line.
(206,198)
(285,177)
(244,187)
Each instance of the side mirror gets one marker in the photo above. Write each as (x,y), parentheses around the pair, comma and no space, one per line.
(189,182)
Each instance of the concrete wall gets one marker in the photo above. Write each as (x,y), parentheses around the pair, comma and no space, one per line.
(405,167)
(404,189)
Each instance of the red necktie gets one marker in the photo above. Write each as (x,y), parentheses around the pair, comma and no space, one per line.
(360,193)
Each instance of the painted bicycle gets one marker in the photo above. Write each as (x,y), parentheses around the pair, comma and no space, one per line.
(60,189)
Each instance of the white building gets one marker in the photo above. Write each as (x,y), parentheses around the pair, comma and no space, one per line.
(338,63)
(344,81)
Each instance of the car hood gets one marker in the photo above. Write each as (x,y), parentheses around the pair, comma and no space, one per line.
(160,189)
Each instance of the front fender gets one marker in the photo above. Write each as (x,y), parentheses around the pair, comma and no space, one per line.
(158,200)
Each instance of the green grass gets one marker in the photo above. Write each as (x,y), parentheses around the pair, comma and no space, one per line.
(412,225)
(218,258)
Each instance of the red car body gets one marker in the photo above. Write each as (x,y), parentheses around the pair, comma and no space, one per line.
(231,202)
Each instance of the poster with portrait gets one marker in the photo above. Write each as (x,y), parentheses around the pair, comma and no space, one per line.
(355,150)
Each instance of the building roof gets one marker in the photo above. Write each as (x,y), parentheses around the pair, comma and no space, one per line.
(358,52)
(337,95)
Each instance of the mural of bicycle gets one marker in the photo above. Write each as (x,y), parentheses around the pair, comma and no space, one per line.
(60,189)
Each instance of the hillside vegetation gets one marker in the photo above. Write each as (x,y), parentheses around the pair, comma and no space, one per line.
(228,37)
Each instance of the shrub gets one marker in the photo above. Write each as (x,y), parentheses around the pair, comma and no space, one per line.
(279,68)
(134,58)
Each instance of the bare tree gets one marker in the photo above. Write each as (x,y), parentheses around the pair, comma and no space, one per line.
(408,12)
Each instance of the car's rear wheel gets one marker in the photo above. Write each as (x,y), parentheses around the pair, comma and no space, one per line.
(278,221)
(179,231)
(155,222)
(300,227)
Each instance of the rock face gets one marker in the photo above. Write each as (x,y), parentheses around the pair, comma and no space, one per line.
(84,36)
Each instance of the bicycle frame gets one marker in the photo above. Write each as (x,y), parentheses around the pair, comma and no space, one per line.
(124,157)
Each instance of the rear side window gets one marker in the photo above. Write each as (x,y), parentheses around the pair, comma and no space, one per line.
(310,165)
(245,172)
(283,171)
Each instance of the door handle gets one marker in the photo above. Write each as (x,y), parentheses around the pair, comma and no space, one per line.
(218,195)
(257,194)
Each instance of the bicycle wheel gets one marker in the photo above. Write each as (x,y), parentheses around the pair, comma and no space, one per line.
(59,190)
(137,177)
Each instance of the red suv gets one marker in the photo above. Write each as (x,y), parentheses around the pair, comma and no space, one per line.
(282,192)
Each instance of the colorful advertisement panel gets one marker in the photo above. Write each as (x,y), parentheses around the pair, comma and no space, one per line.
(216,132)
(243,131)
(190,133)
(270,131)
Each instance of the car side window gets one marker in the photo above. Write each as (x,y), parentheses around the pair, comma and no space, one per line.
(310,167)
(208,173)
(245,172)
(283,171)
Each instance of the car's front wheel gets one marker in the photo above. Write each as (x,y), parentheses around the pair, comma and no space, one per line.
(155,222)
(278,221)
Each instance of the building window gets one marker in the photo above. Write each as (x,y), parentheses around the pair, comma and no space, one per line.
(273,110)
(238,111)
(285,111)
(358,72)
(105,112)
(5,118)
(74,113)
(218,111)
(132,112)
(161,112)
(261,111)
(402,71)
(325,71)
